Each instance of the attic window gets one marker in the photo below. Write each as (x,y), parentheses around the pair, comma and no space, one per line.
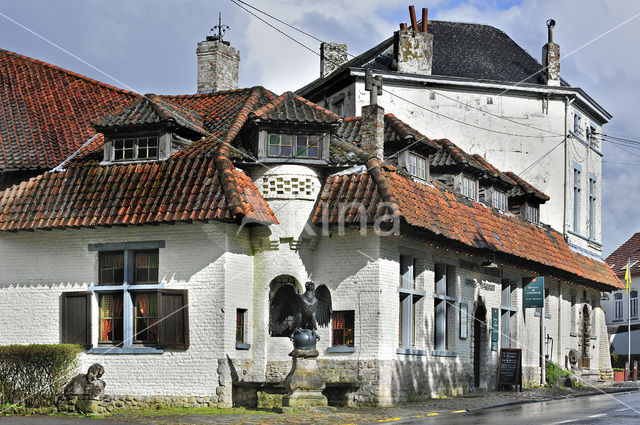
(135,149)
(417,166)
(499,200)
(532,213)
(469,187)
(296,145)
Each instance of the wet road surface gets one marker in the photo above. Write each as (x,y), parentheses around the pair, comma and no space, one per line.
(618,409)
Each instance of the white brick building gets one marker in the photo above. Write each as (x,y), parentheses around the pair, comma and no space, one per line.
(159,244)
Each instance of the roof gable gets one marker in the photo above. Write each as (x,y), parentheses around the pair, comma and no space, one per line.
(628,251)
(152,109)
(291,108)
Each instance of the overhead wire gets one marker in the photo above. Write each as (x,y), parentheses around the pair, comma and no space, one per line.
(315,52)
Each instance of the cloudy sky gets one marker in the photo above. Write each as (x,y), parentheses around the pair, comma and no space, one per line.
(149,46)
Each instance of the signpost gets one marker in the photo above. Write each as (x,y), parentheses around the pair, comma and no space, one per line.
(534,297)
(510,368)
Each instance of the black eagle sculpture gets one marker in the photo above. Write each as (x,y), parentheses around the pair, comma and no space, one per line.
(308,310)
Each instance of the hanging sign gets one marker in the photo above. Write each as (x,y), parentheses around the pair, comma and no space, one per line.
(495,323)
(534,293)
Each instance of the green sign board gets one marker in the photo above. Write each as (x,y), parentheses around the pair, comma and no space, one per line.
(495,323)
(534,293)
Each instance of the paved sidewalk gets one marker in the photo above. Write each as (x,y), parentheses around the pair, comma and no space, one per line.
(448,406)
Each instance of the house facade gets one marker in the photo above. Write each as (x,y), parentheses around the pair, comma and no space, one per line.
(158,245)
(621,307)
(473,84)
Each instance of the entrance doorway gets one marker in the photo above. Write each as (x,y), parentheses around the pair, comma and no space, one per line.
(479,327)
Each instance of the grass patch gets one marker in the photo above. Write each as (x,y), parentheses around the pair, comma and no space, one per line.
(169,410)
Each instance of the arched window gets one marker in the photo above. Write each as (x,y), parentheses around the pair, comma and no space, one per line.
(634,304)
(277,330)
(617,306)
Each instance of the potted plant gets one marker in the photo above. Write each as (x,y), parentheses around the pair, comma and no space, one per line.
(618,374)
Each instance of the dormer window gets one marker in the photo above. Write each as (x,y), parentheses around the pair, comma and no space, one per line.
(469,187)
(135,148)
(294,145)
(417,166)
(532,213)
(499,200)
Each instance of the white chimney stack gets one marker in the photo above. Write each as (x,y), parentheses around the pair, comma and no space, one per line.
(551,58)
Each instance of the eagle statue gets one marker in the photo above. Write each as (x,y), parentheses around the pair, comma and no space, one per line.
(308,310)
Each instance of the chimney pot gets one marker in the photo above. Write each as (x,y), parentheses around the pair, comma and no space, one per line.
(332,56)
(218,66)
(412,15)
(551,58)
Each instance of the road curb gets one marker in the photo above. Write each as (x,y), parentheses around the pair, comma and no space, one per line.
(541,400)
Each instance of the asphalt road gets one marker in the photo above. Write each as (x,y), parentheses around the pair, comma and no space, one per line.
(615,409)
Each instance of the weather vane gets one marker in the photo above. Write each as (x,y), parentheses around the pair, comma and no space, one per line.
(220,28)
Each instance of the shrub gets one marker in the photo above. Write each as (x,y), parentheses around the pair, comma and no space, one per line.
(35,375)
(618,360)
(554,372)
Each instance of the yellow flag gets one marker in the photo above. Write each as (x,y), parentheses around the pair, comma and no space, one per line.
(627,277)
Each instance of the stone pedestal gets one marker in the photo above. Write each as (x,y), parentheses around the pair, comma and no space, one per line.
(304,384)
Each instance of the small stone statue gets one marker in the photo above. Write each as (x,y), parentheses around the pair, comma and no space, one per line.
(308,310)
(87,385)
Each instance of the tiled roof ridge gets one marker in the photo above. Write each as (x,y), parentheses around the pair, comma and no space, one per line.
(375,167)
(223,163)
(215,93)
(278,100)
(492,170)
(527,186)
(67,71)
(406,130)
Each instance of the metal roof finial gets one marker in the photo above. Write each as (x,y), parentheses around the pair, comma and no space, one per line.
(221,29)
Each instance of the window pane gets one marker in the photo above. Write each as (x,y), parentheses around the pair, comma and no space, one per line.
(301,146)
(342,328)
(274,150)
(274,139)
(285,151)
(110,318)
(111,265)
(146,318)
(146,267)
(240,325)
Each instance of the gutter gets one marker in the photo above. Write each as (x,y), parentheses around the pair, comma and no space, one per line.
(528,88)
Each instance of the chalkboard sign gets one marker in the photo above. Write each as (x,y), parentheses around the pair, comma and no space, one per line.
(510,368)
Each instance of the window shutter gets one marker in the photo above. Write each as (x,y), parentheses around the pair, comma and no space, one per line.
(173,319)
(76,318)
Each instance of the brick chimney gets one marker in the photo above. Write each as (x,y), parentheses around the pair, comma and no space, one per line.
(372,125)
(332,56)
(551,58)
(218,65)
(413,47)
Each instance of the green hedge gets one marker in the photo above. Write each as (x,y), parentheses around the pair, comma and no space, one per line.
(35,375)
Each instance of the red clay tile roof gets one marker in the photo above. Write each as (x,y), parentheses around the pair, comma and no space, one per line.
(182,189)
(449,215)
(46,111)
(526,189)
(152,109)
(293,108)
(628,251)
